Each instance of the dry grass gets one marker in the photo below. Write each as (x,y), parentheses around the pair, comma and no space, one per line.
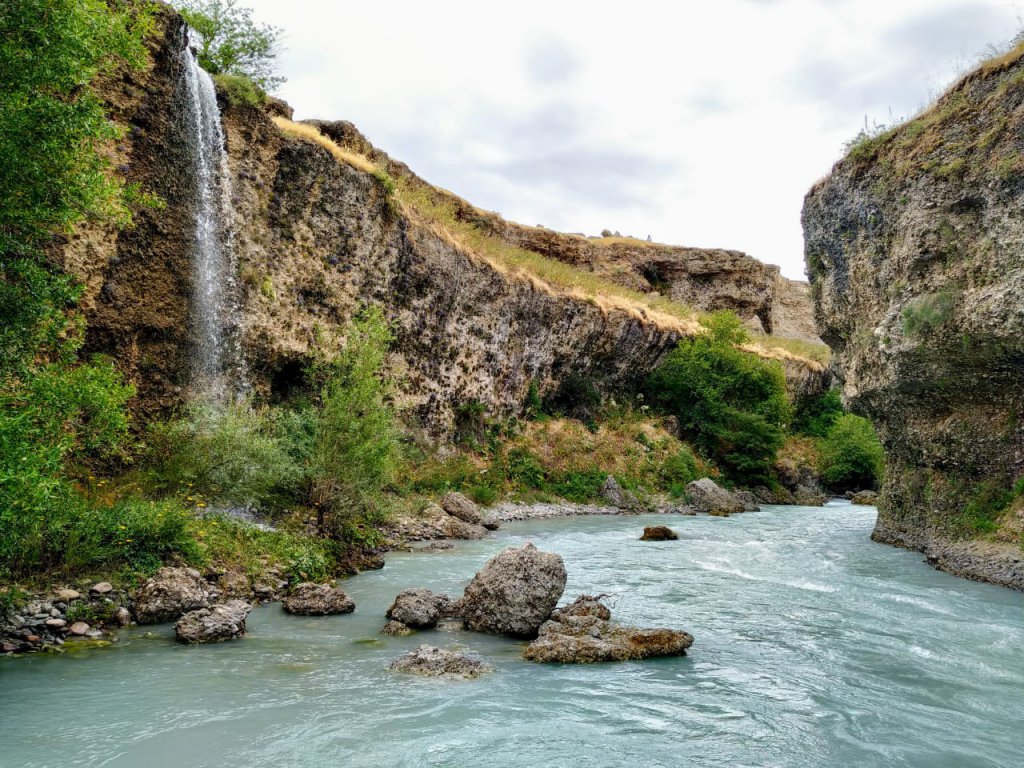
(779,348)
(437,210)
(543,273)
(311,133)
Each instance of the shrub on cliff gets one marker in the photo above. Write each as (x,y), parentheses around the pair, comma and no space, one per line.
(851,456)
(232,43)
(731,404)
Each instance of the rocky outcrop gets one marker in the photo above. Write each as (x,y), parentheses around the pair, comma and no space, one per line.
(457,505)
(869,498)
(429,661)
(658,533)
(432,522)
(419,608)
(582,633)
(170,593)
(514,593)
(706,496)
(914,244)
(225,621)
(309,599)
(619,497)
(317,238)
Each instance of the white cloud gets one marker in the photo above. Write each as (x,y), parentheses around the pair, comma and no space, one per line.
(697,123)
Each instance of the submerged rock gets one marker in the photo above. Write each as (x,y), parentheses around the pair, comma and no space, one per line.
(225,621)
(514,593)
(659,533)
(581,633)
(457,505)
(397,629)
(707,496)
(169,594)
(309,599)
(419,608)
(437,662)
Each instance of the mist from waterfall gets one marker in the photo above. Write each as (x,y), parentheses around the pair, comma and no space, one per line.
(218,367)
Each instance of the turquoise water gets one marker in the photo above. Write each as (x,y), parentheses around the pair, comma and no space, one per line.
(814,647)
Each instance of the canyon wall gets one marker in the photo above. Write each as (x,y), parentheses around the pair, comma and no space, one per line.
(915,247)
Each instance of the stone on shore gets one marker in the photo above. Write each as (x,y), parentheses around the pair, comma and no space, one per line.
(707,496)
(79,629)
(171,593)
(437,662)
(582,633)
(457,505)
(68,595)
(224,621)
(867,498)
(514,593)
(659,533)
(309,599)
(102,588)
(619,497)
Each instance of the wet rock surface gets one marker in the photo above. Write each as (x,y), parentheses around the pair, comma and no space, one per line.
(430,661)
(309,599)
(582,633)
(419,608)
(658,533)
(225,621)
(514,593)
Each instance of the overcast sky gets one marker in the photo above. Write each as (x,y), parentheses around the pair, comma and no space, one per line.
(698,123)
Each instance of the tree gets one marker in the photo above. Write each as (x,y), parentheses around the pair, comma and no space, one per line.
(851,456)
(732,404)
(231,43)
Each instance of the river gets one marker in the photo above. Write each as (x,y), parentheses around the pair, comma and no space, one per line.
(814,647)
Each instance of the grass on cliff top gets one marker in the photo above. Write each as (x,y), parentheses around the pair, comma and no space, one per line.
(438,208)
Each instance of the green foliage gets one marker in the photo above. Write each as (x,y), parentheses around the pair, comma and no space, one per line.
(355,451)
(52,125)
(928,313)
(731,404)
(240,91)
(232,43)
(534,405)
(814,415)
(851,456)
(984,507)
(678,470)
(227,455)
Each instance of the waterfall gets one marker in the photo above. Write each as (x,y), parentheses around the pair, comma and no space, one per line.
(218,368)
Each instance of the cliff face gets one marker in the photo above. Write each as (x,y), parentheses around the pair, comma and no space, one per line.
(316,239)
(915,245)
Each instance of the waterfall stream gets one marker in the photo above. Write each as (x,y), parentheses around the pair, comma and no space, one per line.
(218,368)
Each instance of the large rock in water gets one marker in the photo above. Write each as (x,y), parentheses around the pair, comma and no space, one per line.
(514,593)
(707,496)
(659,533)
(582,633)
(437,662)
(913,245)
(419,608)
(225,621)
(171,593)
(309,599)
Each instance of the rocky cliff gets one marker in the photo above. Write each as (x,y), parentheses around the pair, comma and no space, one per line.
(915,247)
(316,238)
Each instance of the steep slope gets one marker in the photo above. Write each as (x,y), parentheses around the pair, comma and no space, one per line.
(317,237)
(915,245)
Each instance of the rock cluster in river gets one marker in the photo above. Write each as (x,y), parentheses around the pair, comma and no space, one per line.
(583,633)
(170,593)
(429,661)
(224,621)
(48,621)
(309,599)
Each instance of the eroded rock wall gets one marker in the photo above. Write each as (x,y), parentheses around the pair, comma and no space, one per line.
(915,246)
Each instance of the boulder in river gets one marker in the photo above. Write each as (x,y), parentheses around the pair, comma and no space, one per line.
(514,593)
(582,633)
(169,594)
(437,662)
(419,608)
(309,599)
(224,621)
(659,533)
(868,498)
(707,496)
(457,505)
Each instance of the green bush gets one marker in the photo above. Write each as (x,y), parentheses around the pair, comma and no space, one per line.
(580,486)
(814,415)
(356,447)
(925,314)
(225,455)
(678,470)
(851,456)
(482,494)
(731,404)
(240,91)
